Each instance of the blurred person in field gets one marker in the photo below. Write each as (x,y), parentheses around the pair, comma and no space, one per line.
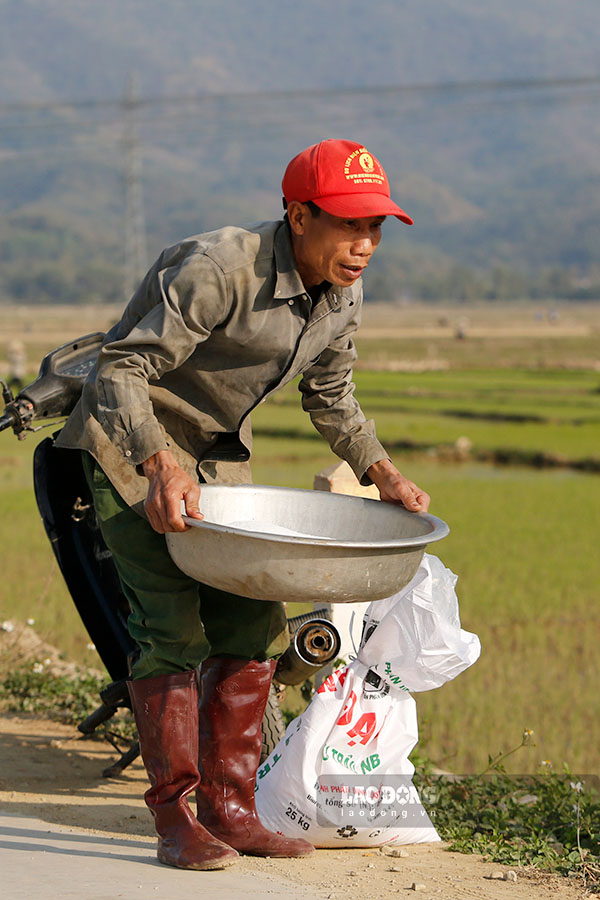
(17,365)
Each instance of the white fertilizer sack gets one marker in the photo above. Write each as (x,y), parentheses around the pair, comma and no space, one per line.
(341,775)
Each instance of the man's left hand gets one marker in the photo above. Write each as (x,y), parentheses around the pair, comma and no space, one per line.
(395,488)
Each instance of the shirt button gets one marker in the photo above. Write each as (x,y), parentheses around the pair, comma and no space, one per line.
(128,453)
(290,302)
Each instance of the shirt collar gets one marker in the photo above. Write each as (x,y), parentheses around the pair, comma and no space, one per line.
(288,284)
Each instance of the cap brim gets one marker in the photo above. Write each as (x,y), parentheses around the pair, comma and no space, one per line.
(361,205)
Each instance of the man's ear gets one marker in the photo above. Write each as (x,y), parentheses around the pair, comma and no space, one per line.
(297,216)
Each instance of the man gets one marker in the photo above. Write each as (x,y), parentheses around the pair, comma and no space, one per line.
(220,322)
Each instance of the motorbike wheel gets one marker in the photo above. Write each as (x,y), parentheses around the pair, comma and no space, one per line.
(273,724)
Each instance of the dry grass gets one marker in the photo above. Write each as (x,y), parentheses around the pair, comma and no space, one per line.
(415,336)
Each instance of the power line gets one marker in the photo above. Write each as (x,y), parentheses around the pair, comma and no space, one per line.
(103,134)
(220,119)
(455,87)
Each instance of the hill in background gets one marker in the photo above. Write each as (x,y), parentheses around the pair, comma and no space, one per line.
(500,179)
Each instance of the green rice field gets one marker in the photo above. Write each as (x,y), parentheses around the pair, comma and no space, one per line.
(524,543)
(549,411)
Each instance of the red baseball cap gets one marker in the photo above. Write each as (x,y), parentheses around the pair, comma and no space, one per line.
(342,178)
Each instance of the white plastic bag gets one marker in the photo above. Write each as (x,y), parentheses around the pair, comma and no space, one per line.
(413,639)
(355,736)
(341,775)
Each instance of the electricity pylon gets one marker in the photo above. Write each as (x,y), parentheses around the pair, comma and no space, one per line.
(135,226)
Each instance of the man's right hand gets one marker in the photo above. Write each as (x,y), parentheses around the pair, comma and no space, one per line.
(169,485)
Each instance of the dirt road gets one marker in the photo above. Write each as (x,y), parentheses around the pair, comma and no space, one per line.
(50,773)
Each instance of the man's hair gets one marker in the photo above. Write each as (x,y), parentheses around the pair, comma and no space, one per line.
(315,210)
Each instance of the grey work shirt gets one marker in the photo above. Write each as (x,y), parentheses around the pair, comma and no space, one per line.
(220,321)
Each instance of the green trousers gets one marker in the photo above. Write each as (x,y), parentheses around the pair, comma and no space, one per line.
(177,622)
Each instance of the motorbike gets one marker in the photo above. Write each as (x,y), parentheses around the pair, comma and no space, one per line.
(66,507)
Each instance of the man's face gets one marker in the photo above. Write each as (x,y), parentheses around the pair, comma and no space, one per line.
(328,248)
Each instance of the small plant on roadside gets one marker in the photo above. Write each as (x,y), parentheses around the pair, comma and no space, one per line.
(550,820)
(66,698)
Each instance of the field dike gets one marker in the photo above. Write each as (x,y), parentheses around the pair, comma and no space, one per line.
(462,450)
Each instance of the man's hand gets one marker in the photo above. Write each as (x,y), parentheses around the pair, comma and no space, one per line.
(169,485)
(395,488)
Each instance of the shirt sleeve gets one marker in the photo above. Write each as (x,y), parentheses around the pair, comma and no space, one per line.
(173,311)
(328,396)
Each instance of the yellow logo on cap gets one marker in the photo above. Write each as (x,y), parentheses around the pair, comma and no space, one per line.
(367,173)
(366,161)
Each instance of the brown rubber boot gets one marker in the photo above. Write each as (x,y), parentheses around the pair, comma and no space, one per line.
(166,715)
(233,696)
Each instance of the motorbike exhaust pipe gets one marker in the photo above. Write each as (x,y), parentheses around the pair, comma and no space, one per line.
(314,644)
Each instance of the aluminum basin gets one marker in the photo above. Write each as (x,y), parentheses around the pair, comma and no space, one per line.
(365,549)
